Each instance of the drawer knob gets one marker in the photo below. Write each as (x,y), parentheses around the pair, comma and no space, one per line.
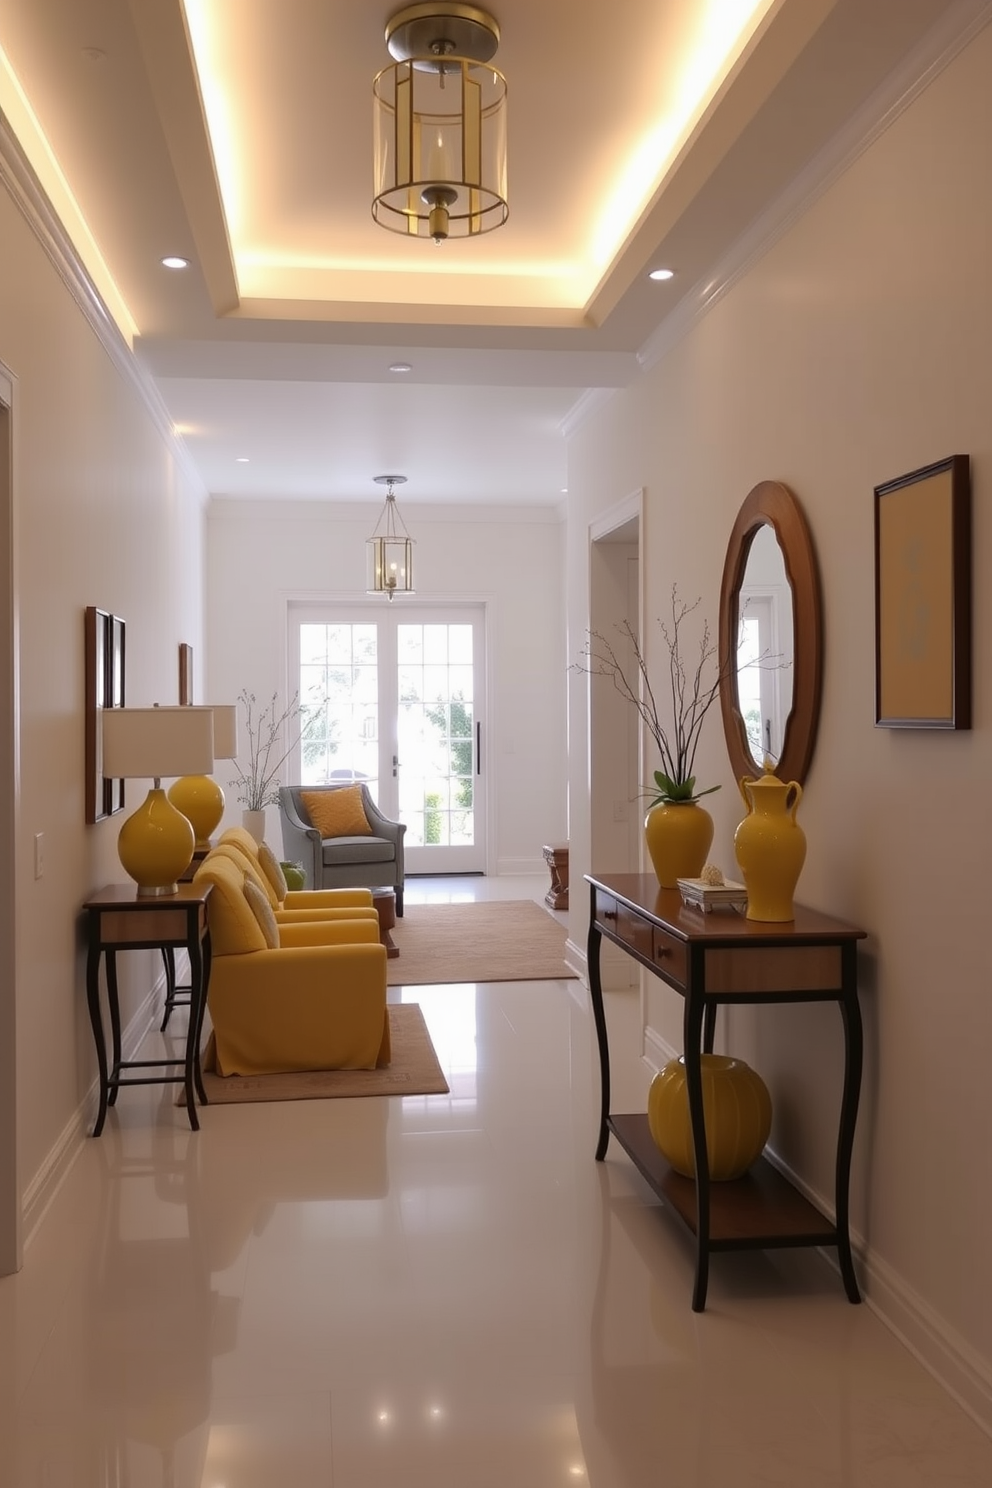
(609,914)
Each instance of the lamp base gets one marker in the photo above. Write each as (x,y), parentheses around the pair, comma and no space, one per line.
(201,801)
(156,845)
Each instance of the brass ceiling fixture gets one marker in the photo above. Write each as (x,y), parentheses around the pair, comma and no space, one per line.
(440,125)
(390,548)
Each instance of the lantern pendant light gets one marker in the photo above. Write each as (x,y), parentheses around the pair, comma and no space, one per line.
(390,548)
(440,125)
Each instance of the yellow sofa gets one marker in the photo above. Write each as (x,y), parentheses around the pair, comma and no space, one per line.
(301,995)
(292,904)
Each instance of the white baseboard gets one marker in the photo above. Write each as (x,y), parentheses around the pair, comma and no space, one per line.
(41,1192)
(527,866)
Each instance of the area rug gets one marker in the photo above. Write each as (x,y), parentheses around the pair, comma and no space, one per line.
(508,940)
(414,1071)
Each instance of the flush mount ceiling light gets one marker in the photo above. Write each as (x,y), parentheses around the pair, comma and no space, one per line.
(390,548)
(174,261)
(440,125)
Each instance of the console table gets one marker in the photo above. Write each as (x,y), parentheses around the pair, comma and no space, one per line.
(714,958)
(119,920)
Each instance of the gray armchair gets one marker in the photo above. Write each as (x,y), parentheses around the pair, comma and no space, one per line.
(343,862)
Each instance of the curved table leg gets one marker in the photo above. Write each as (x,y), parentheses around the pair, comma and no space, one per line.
(853,1061)
(113,1003)
(599,1018)
(169,958)
(96,1021)
(692,1037)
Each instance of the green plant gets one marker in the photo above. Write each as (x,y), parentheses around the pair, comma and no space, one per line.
(257,782)
(693,693)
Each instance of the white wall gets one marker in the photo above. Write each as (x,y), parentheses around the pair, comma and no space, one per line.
(103,516)
(855,350)
(262,556)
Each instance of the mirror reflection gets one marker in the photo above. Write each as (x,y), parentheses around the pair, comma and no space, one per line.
(765,647)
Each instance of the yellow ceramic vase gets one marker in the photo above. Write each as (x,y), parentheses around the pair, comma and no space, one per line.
(678,836)
(770,846)
(737,1114)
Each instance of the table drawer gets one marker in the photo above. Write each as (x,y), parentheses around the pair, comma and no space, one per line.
(669,956)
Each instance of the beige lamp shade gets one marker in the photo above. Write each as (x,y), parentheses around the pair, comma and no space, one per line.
(156,843)
(147,743)
(198,797)
(225,730)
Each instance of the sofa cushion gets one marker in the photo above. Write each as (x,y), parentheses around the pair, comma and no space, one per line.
(340,851)
(262,910)
(272,868)
(337,813)
(233,927)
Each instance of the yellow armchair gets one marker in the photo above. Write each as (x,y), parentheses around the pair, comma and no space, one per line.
(298,996)
(261,865)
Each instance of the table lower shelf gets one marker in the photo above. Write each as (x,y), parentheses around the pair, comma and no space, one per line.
(760,1211)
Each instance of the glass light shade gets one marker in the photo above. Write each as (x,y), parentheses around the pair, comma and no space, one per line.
(390,565)
(440,147)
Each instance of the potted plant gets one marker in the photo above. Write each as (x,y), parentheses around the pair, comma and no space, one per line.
(678,830)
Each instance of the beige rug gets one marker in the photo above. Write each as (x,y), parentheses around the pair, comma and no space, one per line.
(414,1071)
(510,940)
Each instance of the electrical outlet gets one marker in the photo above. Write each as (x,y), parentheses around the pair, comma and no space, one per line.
(39,854)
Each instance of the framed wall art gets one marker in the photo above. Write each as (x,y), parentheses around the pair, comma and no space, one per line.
(923,598)
(104,681)
(185,674)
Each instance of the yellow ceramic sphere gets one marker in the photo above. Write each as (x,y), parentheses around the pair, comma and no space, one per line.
(737,1111)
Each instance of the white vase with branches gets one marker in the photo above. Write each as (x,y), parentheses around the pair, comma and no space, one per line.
(678,830)
(257,780)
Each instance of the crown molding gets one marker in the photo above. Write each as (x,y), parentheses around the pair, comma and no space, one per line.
(959,26)
(29,197)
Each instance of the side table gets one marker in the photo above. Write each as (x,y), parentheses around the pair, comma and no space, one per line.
(556,858)
(119,920)
(709,960)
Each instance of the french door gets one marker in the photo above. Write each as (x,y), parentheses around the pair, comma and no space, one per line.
(394,697)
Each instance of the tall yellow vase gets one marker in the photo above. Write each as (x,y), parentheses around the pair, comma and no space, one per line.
(770,846)
(678,836)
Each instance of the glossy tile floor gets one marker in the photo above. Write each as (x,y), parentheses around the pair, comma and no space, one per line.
(436,1292)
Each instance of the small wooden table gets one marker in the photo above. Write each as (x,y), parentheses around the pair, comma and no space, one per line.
(119,920)
(709,959)
(556,858)
(384,904)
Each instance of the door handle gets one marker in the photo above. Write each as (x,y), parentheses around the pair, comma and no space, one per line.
(478,749)
(396,764)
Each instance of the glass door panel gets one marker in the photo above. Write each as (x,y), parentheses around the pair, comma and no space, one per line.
(394,700)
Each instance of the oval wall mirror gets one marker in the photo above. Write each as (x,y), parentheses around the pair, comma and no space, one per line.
(770,637)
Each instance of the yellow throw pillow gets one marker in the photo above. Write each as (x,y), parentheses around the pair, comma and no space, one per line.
(337,813)
(272,868)
(262,910)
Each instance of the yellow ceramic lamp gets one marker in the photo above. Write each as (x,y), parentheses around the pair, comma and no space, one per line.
(155,845)
(199,797)
(770,846)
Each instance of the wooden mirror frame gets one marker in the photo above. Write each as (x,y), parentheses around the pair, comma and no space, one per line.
(772,504)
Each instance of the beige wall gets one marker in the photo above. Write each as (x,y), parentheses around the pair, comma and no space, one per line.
(104,515)
(857,349)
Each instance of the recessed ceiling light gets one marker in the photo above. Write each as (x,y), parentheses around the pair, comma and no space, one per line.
(241,459)
(662,274)
(173,261)
(400,367)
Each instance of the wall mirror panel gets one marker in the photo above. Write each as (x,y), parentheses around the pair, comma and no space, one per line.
(770,637)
